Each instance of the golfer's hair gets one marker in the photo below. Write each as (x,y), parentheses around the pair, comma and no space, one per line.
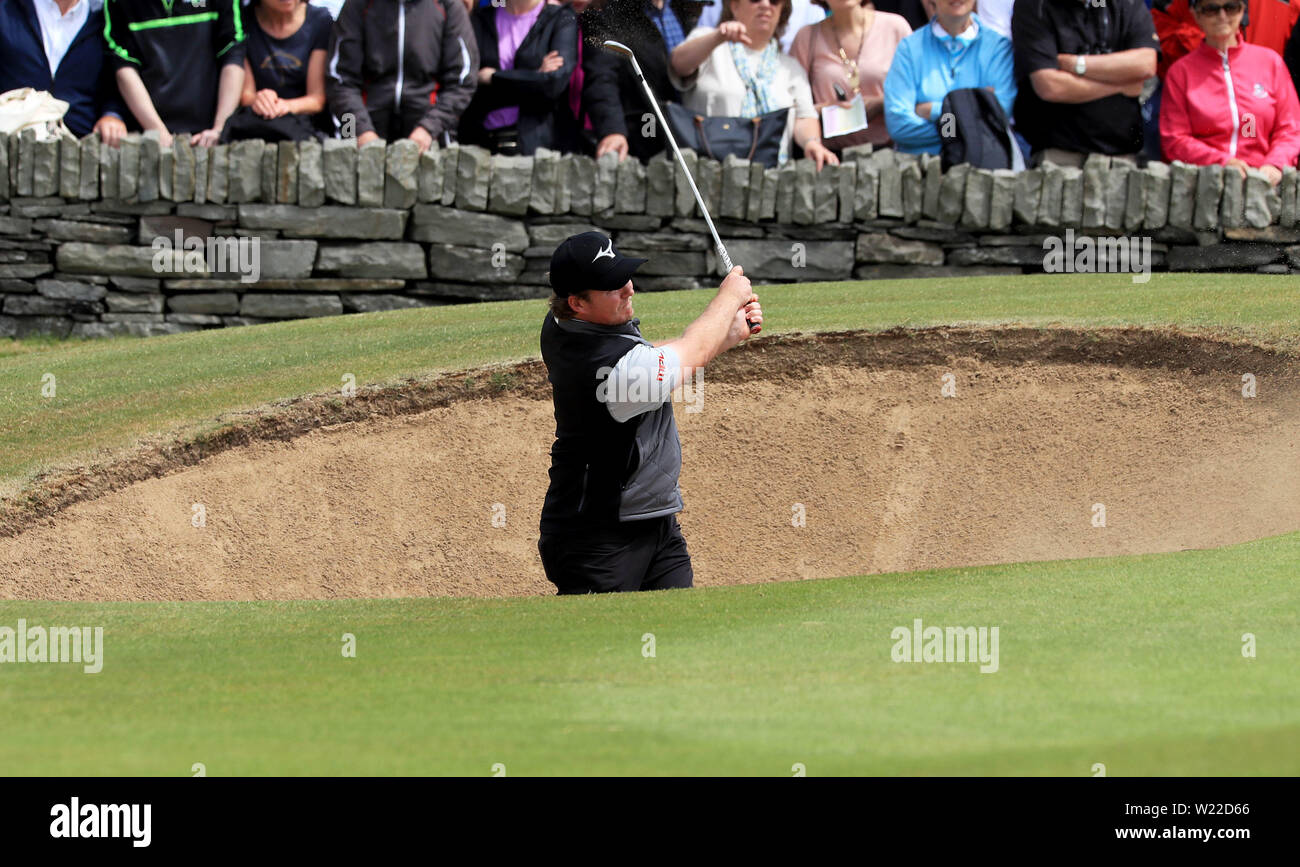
(560,308)
(782,20)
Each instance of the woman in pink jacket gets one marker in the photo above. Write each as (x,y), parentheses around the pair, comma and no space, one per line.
(1228,102)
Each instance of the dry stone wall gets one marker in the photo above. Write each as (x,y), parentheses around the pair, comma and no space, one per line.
(340,229)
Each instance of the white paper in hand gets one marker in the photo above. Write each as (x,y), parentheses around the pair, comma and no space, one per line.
(842,121)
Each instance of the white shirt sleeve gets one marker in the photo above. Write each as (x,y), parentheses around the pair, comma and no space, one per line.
(688,83)
(800,91)
(642,381)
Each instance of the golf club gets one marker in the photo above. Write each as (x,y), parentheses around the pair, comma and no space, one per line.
(620,48)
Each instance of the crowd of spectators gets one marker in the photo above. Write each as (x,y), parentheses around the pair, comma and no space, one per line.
(1203,81)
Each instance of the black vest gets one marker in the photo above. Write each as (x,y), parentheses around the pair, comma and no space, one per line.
(603,471)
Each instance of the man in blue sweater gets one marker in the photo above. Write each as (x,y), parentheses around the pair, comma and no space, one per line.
(953,51)
(58,46)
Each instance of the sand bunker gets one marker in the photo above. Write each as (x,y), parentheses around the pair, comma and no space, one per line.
(850,431)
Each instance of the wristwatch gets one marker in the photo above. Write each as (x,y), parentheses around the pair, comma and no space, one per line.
(1080,65)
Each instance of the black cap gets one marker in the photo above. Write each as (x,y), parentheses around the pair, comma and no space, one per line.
(589,261)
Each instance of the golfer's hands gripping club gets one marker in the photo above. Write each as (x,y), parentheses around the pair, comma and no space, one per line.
(754,326)
(749,314)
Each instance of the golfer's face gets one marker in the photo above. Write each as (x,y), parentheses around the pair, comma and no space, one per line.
(610,308)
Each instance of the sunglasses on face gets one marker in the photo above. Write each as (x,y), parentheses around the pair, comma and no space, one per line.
(1209,10)
(773,3)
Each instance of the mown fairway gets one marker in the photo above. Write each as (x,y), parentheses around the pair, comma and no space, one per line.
(1132,662)
(1135,663)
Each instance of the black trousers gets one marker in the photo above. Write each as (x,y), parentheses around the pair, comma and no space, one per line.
(634,555)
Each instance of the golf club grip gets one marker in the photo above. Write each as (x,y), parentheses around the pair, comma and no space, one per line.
(726,263)
(681,163)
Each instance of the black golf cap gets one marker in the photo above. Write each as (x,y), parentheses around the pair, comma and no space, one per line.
(590,261)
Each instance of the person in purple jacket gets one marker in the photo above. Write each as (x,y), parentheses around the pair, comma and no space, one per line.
(527,50)
(58,46)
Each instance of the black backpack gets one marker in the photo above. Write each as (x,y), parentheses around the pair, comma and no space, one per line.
(975,130)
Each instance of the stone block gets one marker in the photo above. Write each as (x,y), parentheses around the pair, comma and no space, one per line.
(438,225)
(150,148)
(881,247)
(371,158)
(339,160)
(69,168)
(329,221)
(269,305)
(511,185)
(544,195)
(401,183)
(428,186)
(630,187)
(183,170)
(245,170)
(311,174)
(473,178)
(1209,191)
(473,265)
(395,260)
(952,194)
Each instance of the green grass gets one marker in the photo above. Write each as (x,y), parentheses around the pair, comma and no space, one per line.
(112,392)
(1132,662)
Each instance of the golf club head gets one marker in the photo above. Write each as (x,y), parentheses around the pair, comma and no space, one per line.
(618,48)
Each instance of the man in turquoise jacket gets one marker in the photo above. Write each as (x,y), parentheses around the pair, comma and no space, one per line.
(953,51)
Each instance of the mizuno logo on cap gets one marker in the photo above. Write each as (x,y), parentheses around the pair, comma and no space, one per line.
(608,251)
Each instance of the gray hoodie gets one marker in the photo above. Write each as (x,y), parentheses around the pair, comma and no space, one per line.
(395,51)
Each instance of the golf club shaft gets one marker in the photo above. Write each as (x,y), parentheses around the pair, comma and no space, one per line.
(681,161)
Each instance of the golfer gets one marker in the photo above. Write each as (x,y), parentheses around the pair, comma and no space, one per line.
(609,522)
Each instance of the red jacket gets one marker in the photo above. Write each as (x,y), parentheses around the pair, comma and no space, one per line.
(1238,104)
(1179,34)
(1270,23)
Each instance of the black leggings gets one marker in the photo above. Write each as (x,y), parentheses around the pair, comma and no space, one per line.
(634,555)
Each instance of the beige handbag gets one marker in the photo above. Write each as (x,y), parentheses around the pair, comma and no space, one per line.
(37,110)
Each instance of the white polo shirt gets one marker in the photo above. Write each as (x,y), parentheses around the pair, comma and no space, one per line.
(642,381)
(59,29)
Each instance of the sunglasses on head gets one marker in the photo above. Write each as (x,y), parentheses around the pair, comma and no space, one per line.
(1209,10)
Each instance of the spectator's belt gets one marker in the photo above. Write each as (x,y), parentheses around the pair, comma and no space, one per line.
(504,140)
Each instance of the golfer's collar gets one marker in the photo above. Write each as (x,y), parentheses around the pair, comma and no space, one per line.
(631,328)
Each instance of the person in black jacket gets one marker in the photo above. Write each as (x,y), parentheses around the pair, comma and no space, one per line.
(82,76)
(527,52)
(385,58)
(611,95)
(914,11)
(609,520)
(1292,56)
(179,71)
